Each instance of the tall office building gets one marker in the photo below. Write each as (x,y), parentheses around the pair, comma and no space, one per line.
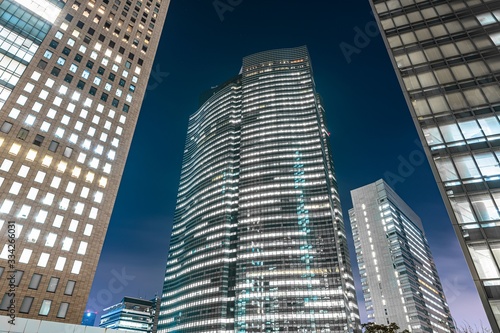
(72,79)
(398,275)
(447,59)
(258,241)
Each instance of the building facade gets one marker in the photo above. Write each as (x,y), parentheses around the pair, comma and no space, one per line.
(133,314)
(258,241)
(398,274)
(447,59)
(72,78)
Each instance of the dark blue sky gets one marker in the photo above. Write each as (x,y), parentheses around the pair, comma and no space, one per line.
(371,132)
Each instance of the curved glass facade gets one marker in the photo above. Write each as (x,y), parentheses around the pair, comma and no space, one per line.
(258,242)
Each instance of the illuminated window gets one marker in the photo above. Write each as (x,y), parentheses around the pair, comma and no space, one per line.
(67,242)
(47,160)
(15,188)
(44,258)
(49,199)
(77,265)
(93,213)
(76,172)
(40,176)
(61,167)
(14,149)
(81,157)
(24,212)
(33,192)
(73,226)
(33,235)
(64,204)
(25,256)
(79,208)
(6,164)
(45,126)
(57,221)
(88,229)
(82,249)
(103,182)
(23,171)
(89,177)
(42,215)
(85,192)
(61,261)
(98,197)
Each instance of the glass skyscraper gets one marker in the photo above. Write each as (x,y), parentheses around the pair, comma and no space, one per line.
(398,274)
(258,241)
(447,59)
(73,75)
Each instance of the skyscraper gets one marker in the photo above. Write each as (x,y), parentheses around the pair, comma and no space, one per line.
(72,79)
(447,59)
(398,275)
(258,241)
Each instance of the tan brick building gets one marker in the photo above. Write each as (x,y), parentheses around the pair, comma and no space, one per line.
(72,79)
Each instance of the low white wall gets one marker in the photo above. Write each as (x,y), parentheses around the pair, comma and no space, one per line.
(23,325)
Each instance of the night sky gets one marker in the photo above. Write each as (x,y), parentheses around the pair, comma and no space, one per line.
(371,133)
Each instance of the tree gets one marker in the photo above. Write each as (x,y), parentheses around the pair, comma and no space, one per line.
(381,328)
(467,328)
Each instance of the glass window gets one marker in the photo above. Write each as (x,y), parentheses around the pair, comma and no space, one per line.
(470,129)
(61,61)
(26,304)
(53,284)
(67,152)
(38,140)
(6,126)
(486,19)
(63,309)
(495,248)
(35,281)
(487,164)
(444,75)
(53,146)
(47,54)
(462,209)
(69,288)
(6,301)
(45,308)
(18,275)
(23,134)
(466,167)
(495,305)
(484,207)
(451,133)
(438,104)
(483,261)
(446,169)
(432,136)
(490,125)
